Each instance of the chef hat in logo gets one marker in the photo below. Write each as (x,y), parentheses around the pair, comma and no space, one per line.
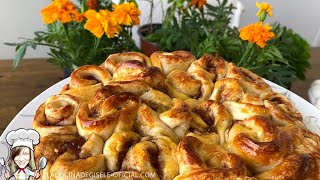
(23,137)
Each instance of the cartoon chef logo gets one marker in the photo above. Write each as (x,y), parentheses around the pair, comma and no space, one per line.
(21,163)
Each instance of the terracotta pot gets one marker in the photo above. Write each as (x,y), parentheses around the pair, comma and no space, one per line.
(146,46)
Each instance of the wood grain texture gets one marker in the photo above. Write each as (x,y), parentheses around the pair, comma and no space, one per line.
(18,87)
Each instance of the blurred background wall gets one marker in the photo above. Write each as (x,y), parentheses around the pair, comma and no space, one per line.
(20,18)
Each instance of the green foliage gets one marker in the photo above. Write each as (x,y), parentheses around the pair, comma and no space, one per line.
(199,31)
(72,46)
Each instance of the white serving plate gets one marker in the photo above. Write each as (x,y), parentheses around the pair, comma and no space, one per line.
(311,115)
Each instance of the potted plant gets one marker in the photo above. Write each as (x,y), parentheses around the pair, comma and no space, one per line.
(85,34)
(147,46)
(271,51)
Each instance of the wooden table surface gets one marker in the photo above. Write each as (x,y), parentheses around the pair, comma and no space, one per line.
(18,87)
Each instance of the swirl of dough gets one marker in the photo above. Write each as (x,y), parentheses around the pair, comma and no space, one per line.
(89,160)
(89,75)
(116,148)
(216,116)
(282,111)
(182,85)
(114,60)
(200,160)
(176,60)
(114,113)
(215,66)
(297,166)
(85,81)
(57,115)
(241,111)
(136,70)
(227,89)
(153,155)
(148,123)
(251,83)
(178,118)
(259,143)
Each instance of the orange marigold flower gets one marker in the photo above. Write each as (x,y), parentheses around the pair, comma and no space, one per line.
(198,3)
(257,33)
(92,4)
(110,23)
(127,14)
(50,14)
(264,7)
(101,22)
(63,10)
(93,23)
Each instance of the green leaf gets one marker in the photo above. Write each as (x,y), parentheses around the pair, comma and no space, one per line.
(20,52)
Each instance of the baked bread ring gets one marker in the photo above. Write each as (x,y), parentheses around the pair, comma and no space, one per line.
(57,115)
(115,113)
(114,60)
(176,60)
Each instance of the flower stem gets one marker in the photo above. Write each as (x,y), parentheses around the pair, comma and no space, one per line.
(246,54)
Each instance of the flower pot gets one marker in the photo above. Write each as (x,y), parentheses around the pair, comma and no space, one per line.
(146,46)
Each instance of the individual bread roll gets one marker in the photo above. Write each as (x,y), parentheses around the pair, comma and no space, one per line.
(54,145)
(250,82)
(149,124)
(260,144)
(114,60)
(114,113)
(282,111)
(136,70)
(116,148)
(154,155)
(84,165)
(57,115)
(176,60)
(200,160)
(85,81)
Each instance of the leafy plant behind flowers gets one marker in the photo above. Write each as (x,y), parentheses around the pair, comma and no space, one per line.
(272,51)
(83,35)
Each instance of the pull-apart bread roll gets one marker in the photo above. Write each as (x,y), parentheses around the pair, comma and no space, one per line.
(106,116)
(85,81)
(114,60)
(172,117)
(57,115)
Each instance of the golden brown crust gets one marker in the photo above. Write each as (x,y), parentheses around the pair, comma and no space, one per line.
(136,70)
(57,115)
(204,161)
(251,82)
(88,75)
(156,155)
(259,143)
(115,113)
(114,60)
(116,148)
(167,62)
